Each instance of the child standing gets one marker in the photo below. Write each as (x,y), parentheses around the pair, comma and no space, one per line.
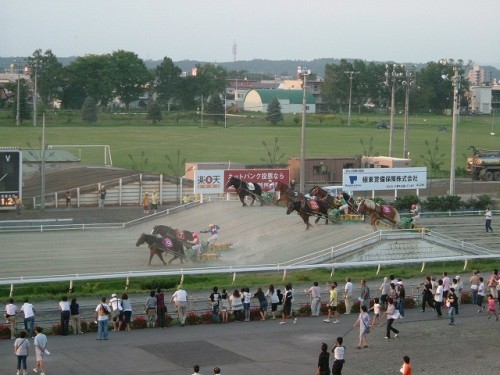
(492,310)
(480,295)
(376,311)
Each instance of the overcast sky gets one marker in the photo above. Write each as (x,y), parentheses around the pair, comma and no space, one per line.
(415,31)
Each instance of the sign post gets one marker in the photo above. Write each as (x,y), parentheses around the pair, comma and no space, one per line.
(11,177)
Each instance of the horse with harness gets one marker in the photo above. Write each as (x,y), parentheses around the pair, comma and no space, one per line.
(158,246)
(306,208)
(379,213)
(244,189)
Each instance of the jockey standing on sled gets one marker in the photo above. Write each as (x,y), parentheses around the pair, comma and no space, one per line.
(213,230)
(344,206)
(415,213)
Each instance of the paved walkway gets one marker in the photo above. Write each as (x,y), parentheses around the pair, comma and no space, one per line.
(265,347)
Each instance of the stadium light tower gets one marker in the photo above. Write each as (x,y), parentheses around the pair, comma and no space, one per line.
(350,74)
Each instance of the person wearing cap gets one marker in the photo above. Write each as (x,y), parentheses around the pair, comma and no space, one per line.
(214,231)
(102,196)
(116,312)
(196,243)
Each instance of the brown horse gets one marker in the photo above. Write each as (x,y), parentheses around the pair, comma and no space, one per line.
(165,230)
(158,246)
(305,211)
(384,213)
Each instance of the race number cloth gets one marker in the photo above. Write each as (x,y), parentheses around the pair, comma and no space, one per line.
(167,242)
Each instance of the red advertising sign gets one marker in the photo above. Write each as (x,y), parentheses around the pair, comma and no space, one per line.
(263,177)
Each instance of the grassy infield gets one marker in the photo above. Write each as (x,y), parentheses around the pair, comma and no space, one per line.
(130,135)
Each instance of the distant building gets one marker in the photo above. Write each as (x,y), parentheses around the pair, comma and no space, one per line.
(290,100)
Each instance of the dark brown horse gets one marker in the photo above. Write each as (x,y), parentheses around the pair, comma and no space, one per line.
(243,189)
(384,213)
(165,230)
(158,246)
(308,208)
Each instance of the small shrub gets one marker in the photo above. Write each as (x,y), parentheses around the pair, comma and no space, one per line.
(56,329)
(138,323)
(305,310)
(193,319)
(206,317)
(255,313)
(409,303)
(4,331)
(85,326)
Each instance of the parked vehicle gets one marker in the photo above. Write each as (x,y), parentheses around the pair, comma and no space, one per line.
(484,164)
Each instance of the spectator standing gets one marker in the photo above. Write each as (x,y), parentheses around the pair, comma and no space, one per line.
(127,311)
(364,327)
(40,343)
(67,195)
(150,309)
(273,295)
(19,205)
(333,304)
(116,312)
(21,350)
(364,297)
(65,314)
(323,361)
(180,298)
(438,298)
(458,290)
(161,308)
(102,312)
(406,368)
(481,293)
(236,305)
(247,296)
(315,292)
(287,311)
(427,296)
(214,299)
(488,217)
(338,356)
(391,313)
(492,309)
(74,309)
(452,304)
(348,296)
(446,284)
(145,203)
(102,196)
(402,299)
(224,305)
(262,303)
(154,201)
(474,286)
(384,291)
(493,283)
(10,316)
(29,317)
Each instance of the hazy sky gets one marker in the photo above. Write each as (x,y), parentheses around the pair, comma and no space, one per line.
(382,30)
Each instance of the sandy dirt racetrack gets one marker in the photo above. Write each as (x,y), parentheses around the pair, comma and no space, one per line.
(260,235)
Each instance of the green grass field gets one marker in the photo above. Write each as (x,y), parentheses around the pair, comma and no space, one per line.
(241,141)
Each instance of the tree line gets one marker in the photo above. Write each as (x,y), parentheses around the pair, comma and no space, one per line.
(99,79)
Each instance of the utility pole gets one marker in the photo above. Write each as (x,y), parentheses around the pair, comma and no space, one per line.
(304,72)
(350,74)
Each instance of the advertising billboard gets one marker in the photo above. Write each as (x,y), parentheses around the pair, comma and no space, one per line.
(365,179)
(11,177)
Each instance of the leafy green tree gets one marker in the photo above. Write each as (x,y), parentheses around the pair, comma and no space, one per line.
(88,76)
(176,164)
(368,152)
(154,113)
(187,93)
(89,110)
(216,108)
(273,156)
(129,76)
(274,114)
(167,80)
(139,165)
(49,75)
(211,79)
(433,159)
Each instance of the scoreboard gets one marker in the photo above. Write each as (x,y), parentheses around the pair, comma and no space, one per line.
(11,176)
